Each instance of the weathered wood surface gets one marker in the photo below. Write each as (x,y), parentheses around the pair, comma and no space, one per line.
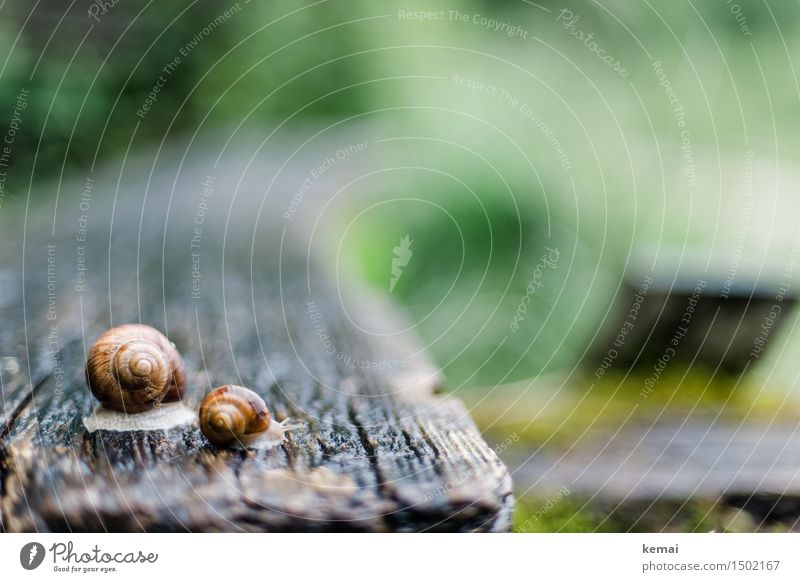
(673,459)
(373,449)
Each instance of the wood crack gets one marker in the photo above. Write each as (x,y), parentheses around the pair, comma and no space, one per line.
(5,430)
(369,448)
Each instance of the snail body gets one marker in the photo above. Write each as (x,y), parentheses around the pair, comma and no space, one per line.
(134,368)
(232,415)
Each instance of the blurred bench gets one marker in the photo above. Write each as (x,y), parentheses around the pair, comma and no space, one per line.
(682,307)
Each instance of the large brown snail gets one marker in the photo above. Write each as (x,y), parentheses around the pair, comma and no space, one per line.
(134,368)
(232,415)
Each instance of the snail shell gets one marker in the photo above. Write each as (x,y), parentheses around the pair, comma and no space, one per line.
(134,368)
(234,414)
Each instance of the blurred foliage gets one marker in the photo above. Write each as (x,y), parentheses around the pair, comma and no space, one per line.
(481,284)
(272,60)
(86,86)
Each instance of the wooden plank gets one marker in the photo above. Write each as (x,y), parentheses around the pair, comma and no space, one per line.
(372,450)
(674,459)
(15,377)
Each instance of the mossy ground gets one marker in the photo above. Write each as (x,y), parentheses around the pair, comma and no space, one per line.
(557,413)
(573,514)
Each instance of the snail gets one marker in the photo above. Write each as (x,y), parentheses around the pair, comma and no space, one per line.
(235,414)
(134,368)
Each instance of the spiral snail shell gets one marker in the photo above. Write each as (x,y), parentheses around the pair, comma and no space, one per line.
(234,414)
(133,368)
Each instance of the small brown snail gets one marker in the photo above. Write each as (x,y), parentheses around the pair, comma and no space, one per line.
(234,414)
(134,368)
